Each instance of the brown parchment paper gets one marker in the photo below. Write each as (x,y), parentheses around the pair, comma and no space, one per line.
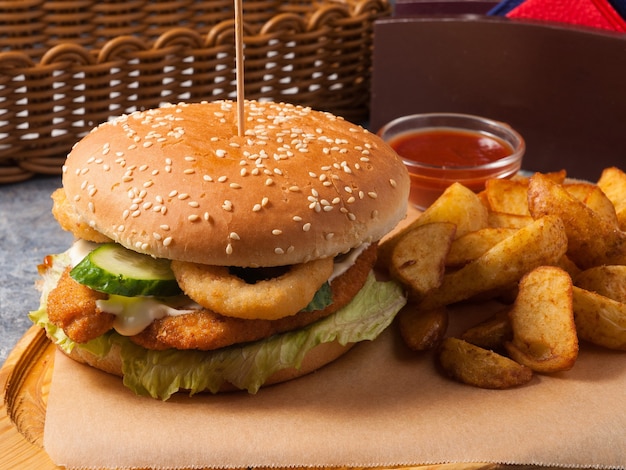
(380,405)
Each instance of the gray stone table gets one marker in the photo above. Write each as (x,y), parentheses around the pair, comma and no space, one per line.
(28,232)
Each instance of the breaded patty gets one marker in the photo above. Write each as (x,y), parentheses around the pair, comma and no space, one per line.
(72,307)
(68,219)
(204,329)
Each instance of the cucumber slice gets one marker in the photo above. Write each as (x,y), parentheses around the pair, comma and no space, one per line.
(113,269)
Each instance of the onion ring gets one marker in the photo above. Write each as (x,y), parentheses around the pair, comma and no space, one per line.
(215,288)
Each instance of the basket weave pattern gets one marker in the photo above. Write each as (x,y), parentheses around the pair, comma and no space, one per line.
(68,65)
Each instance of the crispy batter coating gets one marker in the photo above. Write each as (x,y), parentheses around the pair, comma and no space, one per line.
(206,330)
(216,289)
(65,214)
(72,307)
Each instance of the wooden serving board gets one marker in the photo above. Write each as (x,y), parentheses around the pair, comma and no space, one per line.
(25,381)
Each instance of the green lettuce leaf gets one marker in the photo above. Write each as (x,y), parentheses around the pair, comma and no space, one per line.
(160,374)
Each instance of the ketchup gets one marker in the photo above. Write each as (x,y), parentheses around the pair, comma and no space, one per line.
(438,157)
(451,147)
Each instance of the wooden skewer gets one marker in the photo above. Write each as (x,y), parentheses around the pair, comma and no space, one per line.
(239,72)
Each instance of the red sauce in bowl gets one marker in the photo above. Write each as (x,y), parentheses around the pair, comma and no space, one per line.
(451,147)
(438,157)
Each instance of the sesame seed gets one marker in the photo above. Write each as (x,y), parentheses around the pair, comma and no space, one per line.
(372,194)
(277,232)
(193,218)
(393,183)
(269,182)
(156,236)
(256,208)
(279,251)
(189,171)
(229,249)
(92,208)
(135,214)
(306,227)
(328,236)
(183,196)
(193,204)
(167,241)
(220,153)
(173,193)
(222,179)
(227,205)
(235,186)
(121,228)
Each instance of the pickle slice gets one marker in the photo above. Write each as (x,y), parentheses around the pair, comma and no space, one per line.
(113,269)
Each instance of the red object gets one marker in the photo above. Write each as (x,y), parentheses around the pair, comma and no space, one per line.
(450,147)
(592,13)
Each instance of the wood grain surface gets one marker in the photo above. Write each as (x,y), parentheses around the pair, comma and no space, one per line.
(25,381)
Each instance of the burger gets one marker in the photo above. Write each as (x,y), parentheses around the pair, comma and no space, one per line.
(210,259)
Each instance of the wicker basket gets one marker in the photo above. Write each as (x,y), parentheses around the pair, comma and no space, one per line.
(67,65)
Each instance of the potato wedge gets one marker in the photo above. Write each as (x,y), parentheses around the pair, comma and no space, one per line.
(504,220)
(556,176)
(612,182)
(492,333)
(541,243)
(480,367)
(422,330)
(542,320)
(458,205)
(474,244)
(418,259)
(600,320)
(598,202)
(507,196)
(592,239)
(609,281)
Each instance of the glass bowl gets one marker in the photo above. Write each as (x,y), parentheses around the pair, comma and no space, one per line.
(439,149)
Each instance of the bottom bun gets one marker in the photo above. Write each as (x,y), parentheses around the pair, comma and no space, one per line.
(316,358)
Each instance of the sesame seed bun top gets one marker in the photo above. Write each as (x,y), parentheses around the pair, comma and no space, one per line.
(178,182)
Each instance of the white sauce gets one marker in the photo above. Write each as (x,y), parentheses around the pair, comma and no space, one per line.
(344,262)
(134,314)
(80,249)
